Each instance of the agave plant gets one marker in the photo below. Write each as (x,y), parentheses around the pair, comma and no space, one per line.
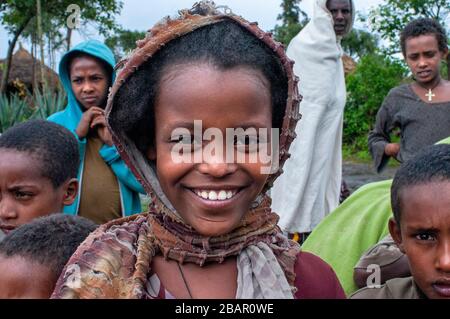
(40,105)
(13,110)
(48,102)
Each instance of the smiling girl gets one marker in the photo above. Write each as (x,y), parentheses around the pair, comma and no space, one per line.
(420,110)
(210,232)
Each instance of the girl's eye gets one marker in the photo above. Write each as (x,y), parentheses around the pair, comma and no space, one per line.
(190,140)
(246,140)
(425,237)
(22,195)
(182,139)
(76,80)
(248,143)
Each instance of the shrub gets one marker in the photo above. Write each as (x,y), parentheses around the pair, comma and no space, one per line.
(367,87)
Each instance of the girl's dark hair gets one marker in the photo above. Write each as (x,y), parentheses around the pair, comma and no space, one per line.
(225,45)
(423,26)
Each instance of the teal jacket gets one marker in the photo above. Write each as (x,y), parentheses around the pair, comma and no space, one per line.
(71,116)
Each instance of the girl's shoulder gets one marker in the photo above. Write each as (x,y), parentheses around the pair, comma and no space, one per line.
(58,117)
(399,97)
(315,279)
(104,264)
(403,91)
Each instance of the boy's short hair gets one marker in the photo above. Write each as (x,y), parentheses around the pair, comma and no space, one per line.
(423,26)
(49,240)
(430,165)
(49,142)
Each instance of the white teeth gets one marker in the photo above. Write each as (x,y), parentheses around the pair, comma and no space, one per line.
(212,195)
(222,195)
(215,195)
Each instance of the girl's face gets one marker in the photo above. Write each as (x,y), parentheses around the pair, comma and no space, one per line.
(209,191)
(423,57)
(89,82)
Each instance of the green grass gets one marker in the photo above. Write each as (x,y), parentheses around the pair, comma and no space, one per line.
(349,154)
(358,151)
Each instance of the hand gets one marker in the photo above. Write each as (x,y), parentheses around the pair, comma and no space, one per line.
(392,149)
(86,119)
(99,123)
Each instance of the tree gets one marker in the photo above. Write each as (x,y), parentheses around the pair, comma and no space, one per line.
(16,15)
(359,43)
(101,13)
(391,17)
(292,18)
(123,42)
(367,87)
(41,43)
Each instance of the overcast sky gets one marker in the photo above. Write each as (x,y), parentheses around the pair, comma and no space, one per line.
(142,14)
(137,16)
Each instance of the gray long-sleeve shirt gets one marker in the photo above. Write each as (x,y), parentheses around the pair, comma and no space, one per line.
(421,124)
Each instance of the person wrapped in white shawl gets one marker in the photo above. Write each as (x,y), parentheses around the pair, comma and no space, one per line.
(310,186)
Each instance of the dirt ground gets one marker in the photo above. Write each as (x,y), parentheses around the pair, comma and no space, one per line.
(358,174)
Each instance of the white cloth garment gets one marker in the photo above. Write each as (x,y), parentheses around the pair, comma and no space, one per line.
(310,186)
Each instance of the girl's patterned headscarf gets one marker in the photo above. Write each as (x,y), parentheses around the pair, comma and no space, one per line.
(202,14)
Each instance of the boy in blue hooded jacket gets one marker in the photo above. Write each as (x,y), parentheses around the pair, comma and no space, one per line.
(108,190)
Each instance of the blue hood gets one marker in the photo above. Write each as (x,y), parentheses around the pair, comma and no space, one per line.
(73,111)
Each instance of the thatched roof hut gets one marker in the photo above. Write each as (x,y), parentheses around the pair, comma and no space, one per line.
(25,68)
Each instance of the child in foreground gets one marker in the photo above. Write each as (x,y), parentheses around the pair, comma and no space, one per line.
(420,197)
(38,170)
(33,256)
(209,218)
